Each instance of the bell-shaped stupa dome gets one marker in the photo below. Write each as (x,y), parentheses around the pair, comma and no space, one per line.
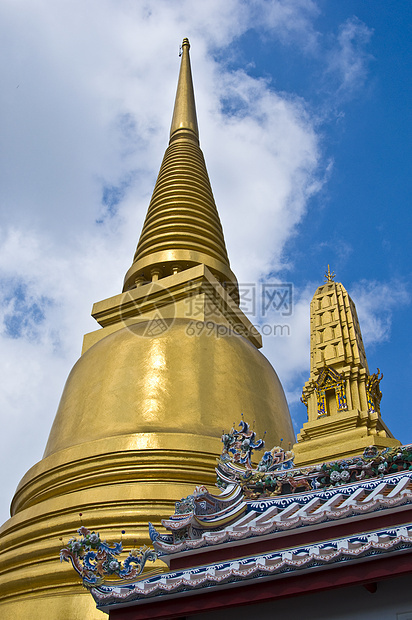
(174,364)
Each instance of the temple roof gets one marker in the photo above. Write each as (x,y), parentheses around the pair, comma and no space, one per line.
(293,560)
(299,520)
(284,515)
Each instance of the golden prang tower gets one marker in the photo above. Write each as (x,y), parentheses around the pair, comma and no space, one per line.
(139,423)
(342,398)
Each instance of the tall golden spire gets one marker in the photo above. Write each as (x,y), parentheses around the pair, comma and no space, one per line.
(343,400)
(182,226)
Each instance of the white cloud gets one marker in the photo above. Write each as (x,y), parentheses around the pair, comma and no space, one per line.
(375,304)
(287,345)
(271,145)
(292,20)
(348,59)
(289,352)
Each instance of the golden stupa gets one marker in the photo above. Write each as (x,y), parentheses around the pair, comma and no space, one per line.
(174,363)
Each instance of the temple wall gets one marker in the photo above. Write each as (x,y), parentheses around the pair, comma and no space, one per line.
(391,601)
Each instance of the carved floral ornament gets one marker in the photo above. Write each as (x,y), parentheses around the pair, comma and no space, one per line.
(330,379)
(95,560)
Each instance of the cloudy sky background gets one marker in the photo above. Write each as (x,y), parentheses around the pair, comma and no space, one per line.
(304,117)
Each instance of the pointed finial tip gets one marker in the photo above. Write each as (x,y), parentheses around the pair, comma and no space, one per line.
(329,275)
(186,42)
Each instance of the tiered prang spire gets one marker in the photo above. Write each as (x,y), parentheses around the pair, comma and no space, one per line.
(342,398)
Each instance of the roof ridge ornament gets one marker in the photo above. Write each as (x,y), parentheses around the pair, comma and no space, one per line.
(96,561)
(329,275)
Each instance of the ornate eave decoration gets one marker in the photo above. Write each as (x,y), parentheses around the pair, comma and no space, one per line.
(96,561)
(295,560)
(276,473)
(238,446)
(274,476)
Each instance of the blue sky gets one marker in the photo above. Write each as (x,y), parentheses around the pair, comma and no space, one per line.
(303,110)
(361,222)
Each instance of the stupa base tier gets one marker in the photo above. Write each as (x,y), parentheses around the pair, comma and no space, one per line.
(117,494)
(142,458)
(67,603)
(342,445)
(32,539)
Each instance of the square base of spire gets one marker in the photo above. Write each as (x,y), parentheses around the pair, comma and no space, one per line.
(193,294)
(340,436)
